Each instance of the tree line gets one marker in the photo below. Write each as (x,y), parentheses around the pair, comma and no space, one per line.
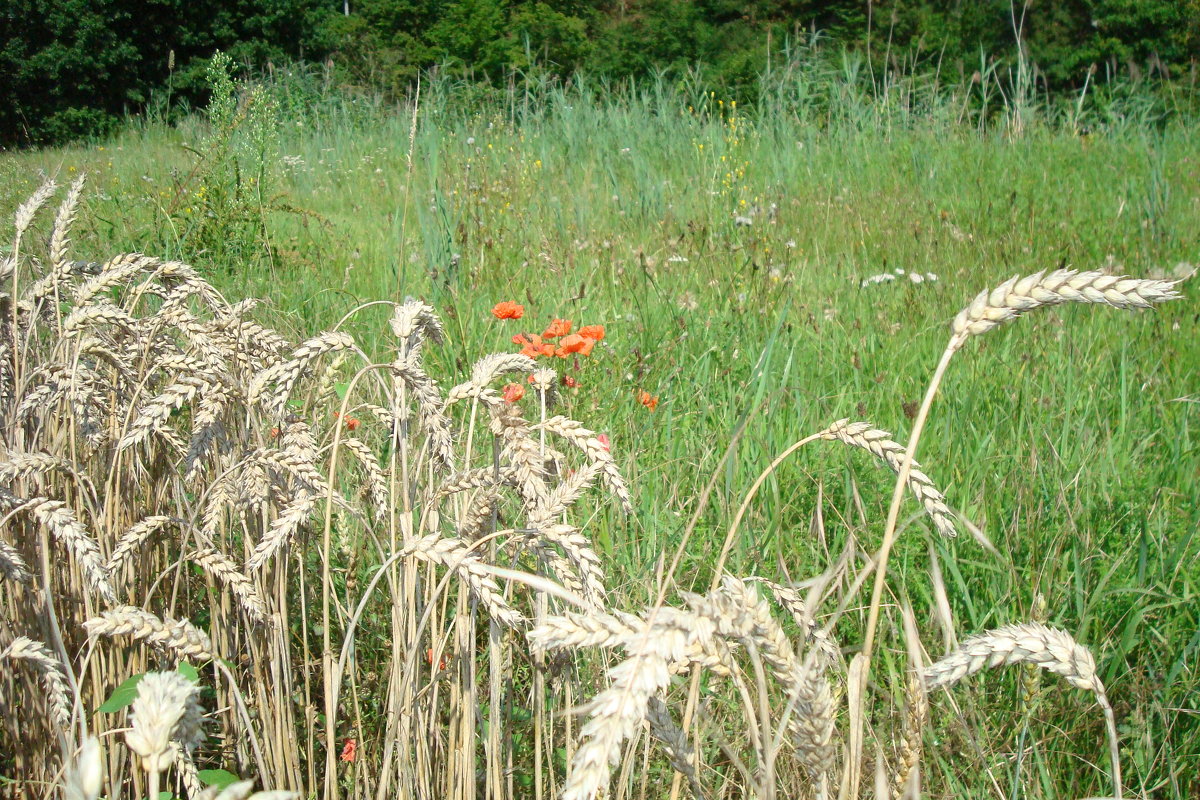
(76,68)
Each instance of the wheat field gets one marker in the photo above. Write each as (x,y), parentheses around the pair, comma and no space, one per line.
(539,470)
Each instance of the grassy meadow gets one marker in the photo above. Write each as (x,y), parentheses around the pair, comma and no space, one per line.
(728,254)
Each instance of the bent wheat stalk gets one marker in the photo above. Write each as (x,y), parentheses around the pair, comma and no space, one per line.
(1006,302)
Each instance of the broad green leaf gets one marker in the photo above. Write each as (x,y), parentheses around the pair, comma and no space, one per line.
(188,671)
(123,695)
(217,777)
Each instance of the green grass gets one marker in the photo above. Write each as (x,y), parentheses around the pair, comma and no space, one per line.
(1070,437)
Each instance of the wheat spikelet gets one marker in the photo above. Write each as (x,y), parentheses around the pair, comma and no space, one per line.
(572,630)
(116,271)
(674,743)
(207,427)
(180,636)
(583,558)
(60,240)
(222,567)
(479,515)
(596,452)
(376,481)
(915,717)
(414,321)
(430,404)
(22,466)
(491,367)
(85,777)
(1028,643)
(12,566)
(616,712)
(880,444)
(1018,295)
(283,529)
(456,555)
(815,635)
(564,495)
(158,410)
(479,478)
(67,529)
(521,450)
(28,210)
(158,715)
(49,669)
(285,374)
(134,537)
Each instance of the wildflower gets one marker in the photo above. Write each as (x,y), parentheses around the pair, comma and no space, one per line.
(559,327)
(532,345)
(570,382)
(593,332)
(274,433)
(349,750)
(429,659)
(513,392)
(508,310)
(602,438)
(574,343)
(648,400)
(351,423)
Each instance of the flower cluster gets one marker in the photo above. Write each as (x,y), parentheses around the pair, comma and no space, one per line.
(580,343)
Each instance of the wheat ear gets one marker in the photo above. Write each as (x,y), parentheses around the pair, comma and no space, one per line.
(1030,643)
(1018,295)
(180,636)
(54,678)
(880,444)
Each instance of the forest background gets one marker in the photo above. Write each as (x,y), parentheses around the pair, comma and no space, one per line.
(72,69)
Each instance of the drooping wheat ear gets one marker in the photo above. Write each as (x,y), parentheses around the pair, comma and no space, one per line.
(68,530)
(414,322)
(814,634)
(572,630)
(915,717)
(880,444)
(207,427)
(50,670)
(179,637)
(21,466)
(1031,643)
(477,478)
(222,567)
(12,566)
(283,529)
(457,556)
(285,374)
(674,743)
(479,515)
(521,450)
(28,210)
(158,410)
(133,539)
(373,475)
(1028,643)
(85,778)
(564,495)
(116,271)
(1018,295)
(617,712)
(596,452)
(430,404)
(739,613)
(579,552)
(158,716)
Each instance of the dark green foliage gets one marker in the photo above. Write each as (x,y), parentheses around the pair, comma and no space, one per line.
(73,68)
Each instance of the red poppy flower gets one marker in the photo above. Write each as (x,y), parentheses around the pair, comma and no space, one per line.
(508,310)
(602,438)
(570,382)
(558,327)
(593,332)
(350,750)
(574,343)
(646,399)
(513,392)
(429,659)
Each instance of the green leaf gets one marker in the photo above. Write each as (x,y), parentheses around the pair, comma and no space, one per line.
(217,777)
(341,389)
(188,671)
(123,695)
